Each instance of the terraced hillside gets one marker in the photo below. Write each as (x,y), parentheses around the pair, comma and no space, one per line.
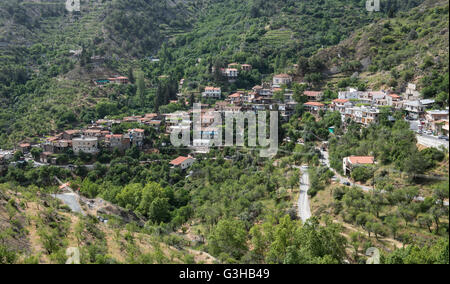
(412,47)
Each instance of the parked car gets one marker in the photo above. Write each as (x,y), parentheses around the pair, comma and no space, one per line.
(443,137)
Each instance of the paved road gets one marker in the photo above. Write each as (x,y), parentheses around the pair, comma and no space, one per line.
(431,141)
(424,139)
(67,167)
(303,208)
(344,180)
(71,200)
(414,125)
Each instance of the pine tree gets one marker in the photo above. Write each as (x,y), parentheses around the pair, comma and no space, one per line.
(141,87)
(131,76)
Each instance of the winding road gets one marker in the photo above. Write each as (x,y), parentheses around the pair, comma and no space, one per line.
(303,208)
(431,141)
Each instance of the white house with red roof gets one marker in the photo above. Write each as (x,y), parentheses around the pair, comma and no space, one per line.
(349,163)
(314,107)
(395,101)
(137,136)
(118,80)
(235,98)
(281,79)
(231,73)
(182,162)
(340,105)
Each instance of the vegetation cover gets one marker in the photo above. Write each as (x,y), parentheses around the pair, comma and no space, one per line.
(231,206)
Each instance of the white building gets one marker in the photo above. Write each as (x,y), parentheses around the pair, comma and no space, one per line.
(281,79)
(85,144)
(411,92)
(183,162)
(363,115)
(433,115)
(231,73)
(351,94)
(136,137)
(340,105)
(414,108)
(349,163)
(212,92)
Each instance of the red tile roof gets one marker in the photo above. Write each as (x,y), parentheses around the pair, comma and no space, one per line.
(282,76)
(51,139)
(312,93)
(114,135)
(151,115)
(235,95)
(212,89)
(179,160)
(136,130)
(71,132)
(314,104)
(361,160)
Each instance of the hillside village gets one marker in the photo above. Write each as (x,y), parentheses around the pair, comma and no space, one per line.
(92,102)
(362,107)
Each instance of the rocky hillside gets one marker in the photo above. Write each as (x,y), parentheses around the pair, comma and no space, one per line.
(49,57)
(37,228)
(412,47)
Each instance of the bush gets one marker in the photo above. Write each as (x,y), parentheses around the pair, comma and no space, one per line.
(7,256)
(362,174)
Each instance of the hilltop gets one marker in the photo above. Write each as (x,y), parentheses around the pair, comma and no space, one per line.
(388,54)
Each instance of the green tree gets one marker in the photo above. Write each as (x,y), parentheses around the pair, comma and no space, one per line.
(228,236)
(141,88)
